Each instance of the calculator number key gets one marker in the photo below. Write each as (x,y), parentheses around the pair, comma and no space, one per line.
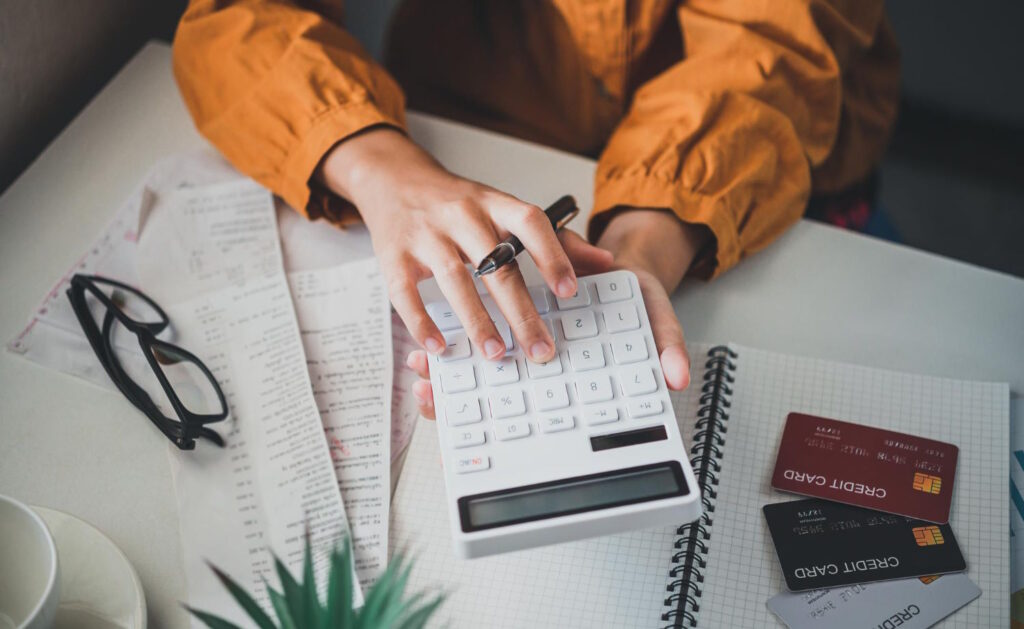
(557,423)
(550,396)
(580,299)
(586,356)
(637,380)
(462,410)
(498,372)
(506,431)
(467,464)
(596,388)
(542,370)
(612,289)
(597,415)
(468,437)
(629,349)
(456,378)
(507,404)
(621,318)
(579,325)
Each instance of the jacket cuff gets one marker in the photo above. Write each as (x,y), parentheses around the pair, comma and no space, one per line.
(298,188)
(645,191)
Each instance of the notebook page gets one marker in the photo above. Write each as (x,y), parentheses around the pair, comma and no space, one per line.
(612,581)
(743,571)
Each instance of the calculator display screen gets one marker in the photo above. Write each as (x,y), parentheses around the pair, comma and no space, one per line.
(572,495)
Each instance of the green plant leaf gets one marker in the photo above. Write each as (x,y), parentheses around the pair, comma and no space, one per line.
(311,614)
(291,592)
(340,614)
(250,606)
(211,621)
(281,608)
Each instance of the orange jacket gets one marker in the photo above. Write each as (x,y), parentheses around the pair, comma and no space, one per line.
(723,112)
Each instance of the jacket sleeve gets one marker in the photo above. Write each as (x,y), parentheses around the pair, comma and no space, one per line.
(728,137)
(274,87)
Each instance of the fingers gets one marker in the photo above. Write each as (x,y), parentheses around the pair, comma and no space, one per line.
(668,334)
(424,394)
(533,228)
(417,361)
(457,285)
(507,287)
(401,280)
(586,258)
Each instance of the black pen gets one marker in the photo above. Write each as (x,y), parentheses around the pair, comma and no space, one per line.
(559,213)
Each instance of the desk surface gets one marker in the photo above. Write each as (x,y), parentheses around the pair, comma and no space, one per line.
(66,444)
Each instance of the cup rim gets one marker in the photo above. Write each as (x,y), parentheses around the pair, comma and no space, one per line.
(51,545)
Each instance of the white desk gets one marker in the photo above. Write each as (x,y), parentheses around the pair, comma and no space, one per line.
(69,445)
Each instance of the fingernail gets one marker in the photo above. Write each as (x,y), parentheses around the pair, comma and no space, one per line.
(539,350)
(493,348)
(566,287)
(434,346)
(409,361)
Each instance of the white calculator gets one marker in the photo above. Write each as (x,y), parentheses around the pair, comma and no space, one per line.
(584,445)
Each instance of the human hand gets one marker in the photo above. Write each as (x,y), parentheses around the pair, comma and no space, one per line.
(424,221)
(658,248)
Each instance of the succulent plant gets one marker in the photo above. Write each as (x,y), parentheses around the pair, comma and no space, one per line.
(298,606)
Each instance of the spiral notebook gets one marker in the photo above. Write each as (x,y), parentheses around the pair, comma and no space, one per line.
(720,570)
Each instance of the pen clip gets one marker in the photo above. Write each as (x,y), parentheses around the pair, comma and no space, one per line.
(562,222)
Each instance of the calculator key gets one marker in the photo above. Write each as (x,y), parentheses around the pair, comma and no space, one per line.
(504,431)
(643,408)
(586,356)
(462,410)
(457,377)
(504,371)
(468,437)
(467,464)
(597,415)
(596,388)
(629,349)
(542,370)
(612,289)
(443,315)
(550,396)
(505,331)
(557,423)
(578,300)
(540,299)
(579,325)
(621,318)
(509,403)
(637,380)
(457,348)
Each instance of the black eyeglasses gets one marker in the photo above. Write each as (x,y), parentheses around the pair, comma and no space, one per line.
(185,383)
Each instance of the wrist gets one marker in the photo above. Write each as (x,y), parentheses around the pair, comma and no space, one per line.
(362,163)
(654,241)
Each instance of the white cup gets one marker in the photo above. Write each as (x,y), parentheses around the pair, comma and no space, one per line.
(29,576)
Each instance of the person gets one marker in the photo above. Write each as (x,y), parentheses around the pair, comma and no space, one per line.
(713,123)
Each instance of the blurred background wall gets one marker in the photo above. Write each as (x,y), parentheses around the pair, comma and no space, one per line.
(952,182)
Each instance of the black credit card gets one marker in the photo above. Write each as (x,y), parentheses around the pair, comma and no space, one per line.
(824,544)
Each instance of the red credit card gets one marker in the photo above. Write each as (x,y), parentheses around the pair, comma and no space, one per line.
(866,467)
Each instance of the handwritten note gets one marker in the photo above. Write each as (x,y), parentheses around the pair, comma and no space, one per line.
(345,323)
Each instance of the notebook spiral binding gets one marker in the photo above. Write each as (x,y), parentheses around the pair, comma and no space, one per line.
(692,544)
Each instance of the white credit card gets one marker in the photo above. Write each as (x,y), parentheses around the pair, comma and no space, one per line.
(905,603)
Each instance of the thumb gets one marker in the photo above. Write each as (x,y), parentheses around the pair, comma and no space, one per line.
(586,258)
(668,333)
